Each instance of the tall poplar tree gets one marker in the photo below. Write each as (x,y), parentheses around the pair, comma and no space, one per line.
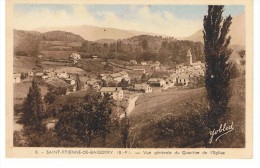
(33,109)
(217,53)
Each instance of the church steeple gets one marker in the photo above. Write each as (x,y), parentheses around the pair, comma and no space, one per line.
(189,57)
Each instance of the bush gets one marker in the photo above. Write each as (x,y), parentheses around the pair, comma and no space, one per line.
(186,129)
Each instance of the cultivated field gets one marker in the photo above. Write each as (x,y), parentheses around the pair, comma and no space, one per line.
(21,90)
(24,63)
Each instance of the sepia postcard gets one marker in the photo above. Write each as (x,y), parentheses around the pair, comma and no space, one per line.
(137,79)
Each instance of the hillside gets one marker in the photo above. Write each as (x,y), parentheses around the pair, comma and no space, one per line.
(237,32)
(26,42)
(61,36)
(32,43)
(93,33)
(154,106)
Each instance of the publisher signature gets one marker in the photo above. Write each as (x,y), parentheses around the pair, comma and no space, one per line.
(222,130)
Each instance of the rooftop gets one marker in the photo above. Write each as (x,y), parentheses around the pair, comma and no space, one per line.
(110,89)
(155,80)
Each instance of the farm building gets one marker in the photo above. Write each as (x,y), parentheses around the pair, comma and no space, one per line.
(133,62)
(95,57)
(183,78)
(30,74)
(63,75)
(156,82)
(70,81)
(75,57)
(199,72)
(155,66)
(171,79)
(117,77)
(17,77)
(142,88)
(39,75)
(115,92)
(40,56)
(144,63)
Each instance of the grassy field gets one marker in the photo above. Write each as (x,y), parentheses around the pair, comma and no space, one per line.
(154,106)
(73,70)
(56,54)
(24,63)
(21,91)
(172,101)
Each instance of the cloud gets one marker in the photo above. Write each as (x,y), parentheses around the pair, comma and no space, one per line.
(142,19)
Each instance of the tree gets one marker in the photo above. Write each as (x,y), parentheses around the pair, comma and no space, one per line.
(89,118)
(145,44)
(125,129)
(33,110)
(234,71)
(123,83)
(242,54)
(217,53)
(78,83)
(53,93)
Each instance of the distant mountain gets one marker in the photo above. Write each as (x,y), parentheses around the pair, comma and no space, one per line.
(61,36)
(31,42)
(237,32)
(93,33)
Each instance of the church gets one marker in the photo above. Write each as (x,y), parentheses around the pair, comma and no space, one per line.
(189,69)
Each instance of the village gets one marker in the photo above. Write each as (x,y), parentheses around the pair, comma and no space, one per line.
(119,84)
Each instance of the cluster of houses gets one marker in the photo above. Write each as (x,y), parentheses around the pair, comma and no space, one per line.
(46,76)
(184,75)
(154,65)
(115,77)
(190,72)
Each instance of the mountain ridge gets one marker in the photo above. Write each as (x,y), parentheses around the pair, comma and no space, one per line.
(237,32)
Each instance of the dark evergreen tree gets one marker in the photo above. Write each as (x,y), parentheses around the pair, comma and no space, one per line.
(33,109)
(217,53)
(89,118)
(78,83)
(125,129)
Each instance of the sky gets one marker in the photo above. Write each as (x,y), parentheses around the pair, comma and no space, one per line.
(171,20)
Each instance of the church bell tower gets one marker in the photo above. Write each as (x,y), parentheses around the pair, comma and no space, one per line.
(189,58)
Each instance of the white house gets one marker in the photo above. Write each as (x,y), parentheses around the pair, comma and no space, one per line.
(133,62)
(40,56)
(70,81)
(16,77)
(171,79)
(94,57)
(30,74)
(39,75)
(75,57)
(183,78)
(199,72)
(142,88)
(115,92)
(157,82)
(63,75)
(117,77)
(144,63)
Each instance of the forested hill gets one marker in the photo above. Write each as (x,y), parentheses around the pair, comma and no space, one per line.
(61,36)
(141,48)
(31,42)
(146,48)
